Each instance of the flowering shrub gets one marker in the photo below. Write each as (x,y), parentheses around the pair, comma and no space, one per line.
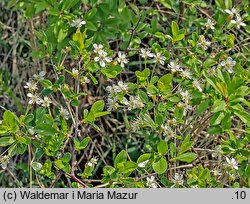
(129,95)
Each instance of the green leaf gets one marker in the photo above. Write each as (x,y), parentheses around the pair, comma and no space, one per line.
(175,28)
(203,107)
(45,129)
(66,157)
(186,157)
(143,96)
(100,114)
(5,141)
(160,166)
(84,143)
(126,167)
(143,75)
(91,26)
(178,37)
(219,105)
(226,121)
(121,157)
(162,147)
(185,145)
(165,83)
(143,160)
(28,118)
(172,148)
(217,118)
(244,116)
(98,106)
(10,122)
(63,32)
(59,164)
(230,41)
(60,80)
(75,102)
(78,37)
(112,71)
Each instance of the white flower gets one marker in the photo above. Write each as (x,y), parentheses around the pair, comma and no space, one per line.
(186,74)
(185,96)
(145,53)
(231,12)
(172,122)
(217,152)
(102,58)
(210,24)
(64,113)
(232,163)
(151,182)
(178,179)
(231,177)
(112,104)
(46,102)
(228,64)
(4,162)
(85,80)
(122,59)
(31,85)
(167,131)
(143,164)
(197,85)
(203,43)
(40,76)
(122,86)
(216,173)
(211,71)
(92,162)
(33,98)
(159,58)
(98,48)
(75,73)
(124,101)
(135,102)
(174,66)
(78,23)
(238,22)
(114,89)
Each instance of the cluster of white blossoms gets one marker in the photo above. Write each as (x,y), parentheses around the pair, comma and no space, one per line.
(177,179)
(203,43)
(113,90)
(64,113)
(121,88)
(75,73)
(33,96)
(186,97)
(78,23)
(136,124)
(92,162)
(167,129)
(228,64)
(197,85)
(102,56)
(238,20)
(210,24)
(157,57)
(232,163)
(151,183)
(216,173)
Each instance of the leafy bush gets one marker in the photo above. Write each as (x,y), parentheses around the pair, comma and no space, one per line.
(125,94)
